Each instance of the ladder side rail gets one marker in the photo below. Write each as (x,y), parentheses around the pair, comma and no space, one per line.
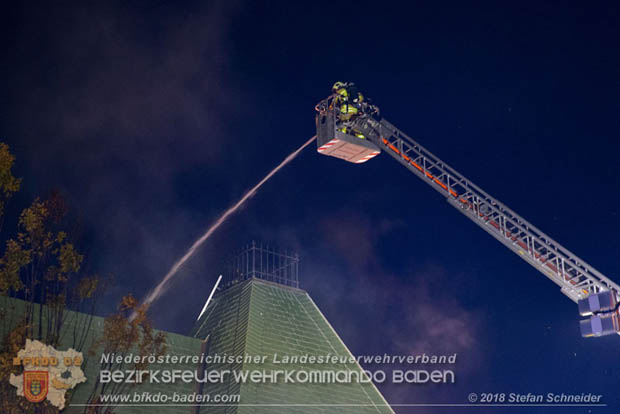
(568,290)
(549,257)
(470,186)
(574,281)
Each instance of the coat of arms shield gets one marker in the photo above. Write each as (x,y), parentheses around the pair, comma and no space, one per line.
(35,385)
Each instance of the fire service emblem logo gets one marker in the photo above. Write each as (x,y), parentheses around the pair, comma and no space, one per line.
(48,373)
(35,385)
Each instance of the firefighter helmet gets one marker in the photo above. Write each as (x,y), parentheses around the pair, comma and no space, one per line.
(338,85)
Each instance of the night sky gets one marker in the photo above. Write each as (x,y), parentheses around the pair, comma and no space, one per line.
(153,117)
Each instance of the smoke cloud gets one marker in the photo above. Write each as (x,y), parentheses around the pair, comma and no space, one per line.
(114,103)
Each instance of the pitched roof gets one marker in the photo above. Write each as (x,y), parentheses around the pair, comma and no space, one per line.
(258,318)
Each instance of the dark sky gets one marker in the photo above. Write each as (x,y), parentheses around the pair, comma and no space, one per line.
(153,117)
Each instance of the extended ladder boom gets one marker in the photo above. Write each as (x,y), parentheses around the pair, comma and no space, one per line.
(359,139)
(577,278)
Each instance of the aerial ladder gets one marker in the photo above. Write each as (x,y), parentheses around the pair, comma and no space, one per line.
(364,136)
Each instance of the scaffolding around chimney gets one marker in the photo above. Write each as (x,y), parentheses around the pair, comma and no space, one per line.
(263,262)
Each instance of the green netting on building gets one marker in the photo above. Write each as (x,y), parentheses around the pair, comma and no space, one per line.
(259,318)
(256,318)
